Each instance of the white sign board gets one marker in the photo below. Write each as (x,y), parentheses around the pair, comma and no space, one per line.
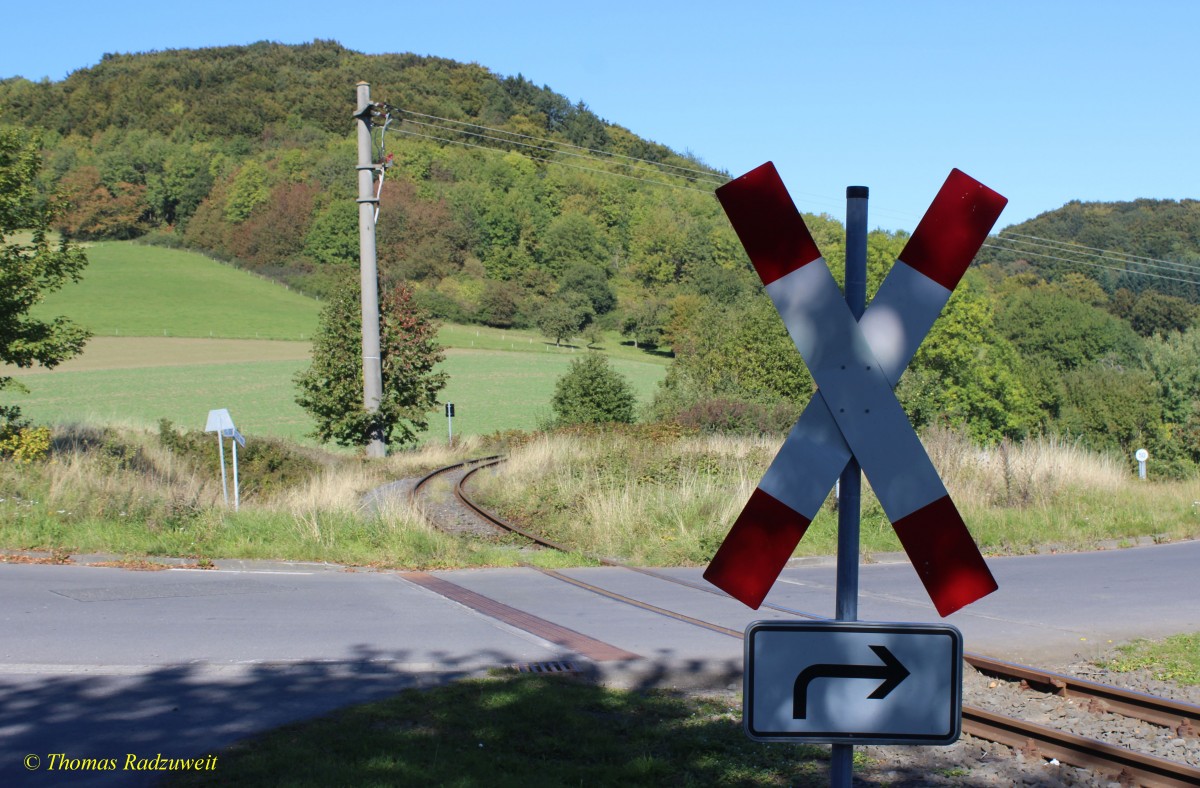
(853,682)
(219,420)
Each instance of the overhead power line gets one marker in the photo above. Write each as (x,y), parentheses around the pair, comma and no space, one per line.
(1017,239)
(1078,261)
(559,147)
(1022,243)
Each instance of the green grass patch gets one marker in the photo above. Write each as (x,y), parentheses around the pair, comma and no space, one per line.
(492,391)
(499,379)
(517,340)
(1176,658)
(259,396)
(133,290)
(521,731)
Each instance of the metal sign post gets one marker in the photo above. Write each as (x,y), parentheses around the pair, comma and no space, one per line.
(220,422)
(224,484)
(1141,455)
(841,765)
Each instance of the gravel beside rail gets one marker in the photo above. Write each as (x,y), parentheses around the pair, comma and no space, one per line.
(975,762)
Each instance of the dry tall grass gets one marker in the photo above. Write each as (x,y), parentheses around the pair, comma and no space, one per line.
(120,490)
(639,494)
(627,494)
(1034,471)
(671,501)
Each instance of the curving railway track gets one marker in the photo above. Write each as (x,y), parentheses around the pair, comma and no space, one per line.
(1034,740)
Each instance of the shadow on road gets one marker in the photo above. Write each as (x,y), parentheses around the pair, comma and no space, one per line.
(192,711)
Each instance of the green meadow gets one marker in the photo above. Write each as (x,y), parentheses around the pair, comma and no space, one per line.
(499,380)
(491,391)
(133,290)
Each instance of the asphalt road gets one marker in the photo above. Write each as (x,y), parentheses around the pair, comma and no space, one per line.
(106,663)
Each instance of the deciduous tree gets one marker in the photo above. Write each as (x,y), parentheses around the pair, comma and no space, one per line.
(331,390)
(564,318)
(28,271)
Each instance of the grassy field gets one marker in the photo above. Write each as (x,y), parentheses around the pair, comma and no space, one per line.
(159,316)
(138,381)
(132,290)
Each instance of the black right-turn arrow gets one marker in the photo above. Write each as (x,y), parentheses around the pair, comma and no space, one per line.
(891,672)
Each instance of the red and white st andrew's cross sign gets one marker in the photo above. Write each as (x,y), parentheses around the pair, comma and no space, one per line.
(856,365)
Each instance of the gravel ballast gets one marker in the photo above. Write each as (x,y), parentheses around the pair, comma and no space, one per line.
(972,761)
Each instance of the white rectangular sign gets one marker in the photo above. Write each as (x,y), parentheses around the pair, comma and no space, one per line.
(853,682)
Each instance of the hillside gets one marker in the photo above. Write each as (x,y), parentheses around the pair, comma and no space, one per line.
(508,207)
(504,204)
(1137,246)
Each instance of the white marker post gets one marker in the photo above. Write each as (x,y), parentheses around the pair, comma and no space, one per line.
(450,421)
(1141,455)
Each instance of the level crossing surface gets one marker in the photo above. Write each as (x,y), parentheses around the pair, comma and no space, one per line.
(102,661)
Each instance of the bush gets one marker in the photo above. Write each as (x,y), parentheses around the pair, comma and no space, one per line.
(24,444)
(441,306)
(592,392)
(742,418)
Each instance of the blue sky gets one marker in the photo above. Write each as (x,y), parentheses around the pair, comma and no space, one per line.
(1044,102)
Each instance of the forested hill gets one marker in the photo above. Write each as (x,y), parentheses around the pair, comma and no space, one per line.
(502,196)
(1136,246)
(507,204)
(245,91)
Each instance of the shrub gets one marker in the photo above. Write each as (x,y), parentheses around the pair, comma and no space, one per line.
(24,444)
(738,417)
(592,392)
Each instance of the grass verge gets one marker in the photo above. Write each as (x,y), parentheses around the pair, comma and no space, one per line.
(1176,658)
(521,731)
(124,492)
(647,494)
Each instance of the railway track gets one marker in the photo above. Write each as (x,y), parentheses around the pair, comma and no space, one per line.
(1120,763)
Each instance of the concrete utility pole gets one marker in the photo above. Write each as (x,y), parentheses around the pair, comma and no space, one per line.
(372,368)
